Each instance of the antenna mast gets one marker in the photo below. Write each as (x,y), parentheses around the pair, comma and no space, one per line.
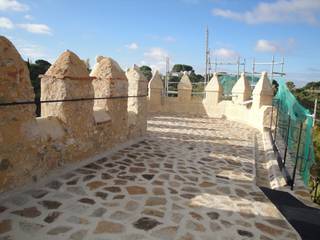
(207,56)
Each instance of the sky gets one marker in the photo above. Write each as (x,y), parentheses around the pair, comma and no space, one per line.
(146,32)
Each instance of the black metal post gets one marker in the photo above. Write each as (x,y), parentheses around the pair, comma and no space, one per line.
(277,119)
(287,142)
(297,156)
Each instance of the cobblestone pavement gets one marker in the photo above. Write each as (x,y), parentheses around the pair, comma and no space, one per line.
(191,178)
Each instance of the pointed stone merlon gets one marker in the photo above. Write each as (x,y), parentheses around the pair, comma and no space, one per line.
(137,103)
(15,86)
(241,91)
(155,87)
(213,90)
(111,82)
(68,78)
(184,88)
(262,93)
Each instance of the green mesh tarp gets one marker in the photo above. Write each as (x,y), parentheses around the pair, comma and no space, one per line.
(289,108)
(228,81)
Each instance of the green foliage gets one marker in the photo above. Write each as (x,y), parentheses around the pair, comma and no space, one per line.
(291,85)
(146,71)
(181,68)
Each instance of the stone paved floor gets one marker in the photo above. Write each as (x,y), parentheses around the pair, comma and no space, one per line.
(192,178)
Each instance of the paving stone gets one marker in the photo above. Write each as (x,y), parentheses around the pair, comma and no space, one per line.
(113,189)
(132,205)
(55,185)
(78,235)
(166,233)
(154,201)
(77,190)
(158,191)
(146,223)
(30,228)
(50,204)
(5,226)
(213,215)
(59,230)
(87,201)
(245,233)
(191,225)
(153,212)
(31,212)
(102,195)
(268,229)
(119,215)
(148,176)
(77,220)
(52,216)
(105,227)
(2,209)
(99,212)
(134,190)
(38,193)
(187,236)
(95,184)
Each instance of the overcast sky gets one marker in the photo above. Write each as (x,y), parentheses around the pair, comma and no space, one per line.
(146,31)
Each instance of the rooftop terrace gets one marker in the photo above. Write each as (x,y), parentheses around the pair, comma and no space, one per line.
(190,178)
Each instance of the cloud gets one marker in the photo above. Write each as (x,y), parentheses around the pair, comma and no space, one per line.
(226,53)
(36,28)
(266,46)
(263,45)
(28,17)
(132,46)
(6,23)
(280,11)
(156,58)
(13,5)
(169,39)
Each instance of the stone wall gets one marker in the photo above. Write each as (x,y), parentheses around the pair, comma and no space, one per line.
(253,108)
(67,131)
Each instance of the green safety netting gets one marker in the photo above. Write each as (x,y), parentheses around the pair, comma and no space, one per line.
(228,81)
(289,108)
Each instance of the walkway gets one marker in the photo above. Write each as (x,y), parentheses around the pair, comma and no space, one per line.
(192,178)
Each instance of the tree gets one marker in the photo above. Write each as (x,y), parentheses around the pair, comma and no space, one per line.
(291,85)
(181,68)
(35,69)
(146,71)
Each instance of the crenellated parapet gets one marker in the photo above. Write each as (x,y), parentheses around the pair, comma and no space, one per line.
(137,116)
(74,125)
(111,83)
(241,91)
(65,80)
(184,88)
(155,92)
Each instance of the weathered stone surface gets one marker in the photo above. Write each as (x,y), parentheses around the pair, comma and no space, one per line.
(78,235)
(99,212)
(136,190)
(50,204)
(213,215)
(52,216)
(104,227)
(77,220)
(153,212)
(31,212)
(245,233)
(5,226)
(95,184)
(146,223)
(166,233)
(30,228)
(155,201)
(268,229)
(59,230)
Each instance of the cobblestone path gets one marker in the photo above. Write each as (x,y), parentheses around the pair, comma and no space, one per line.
(191,178)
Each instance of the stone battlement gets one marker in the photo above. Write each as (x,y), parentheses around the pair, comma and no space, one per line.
(111,108)
(253,108)
(67,131)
